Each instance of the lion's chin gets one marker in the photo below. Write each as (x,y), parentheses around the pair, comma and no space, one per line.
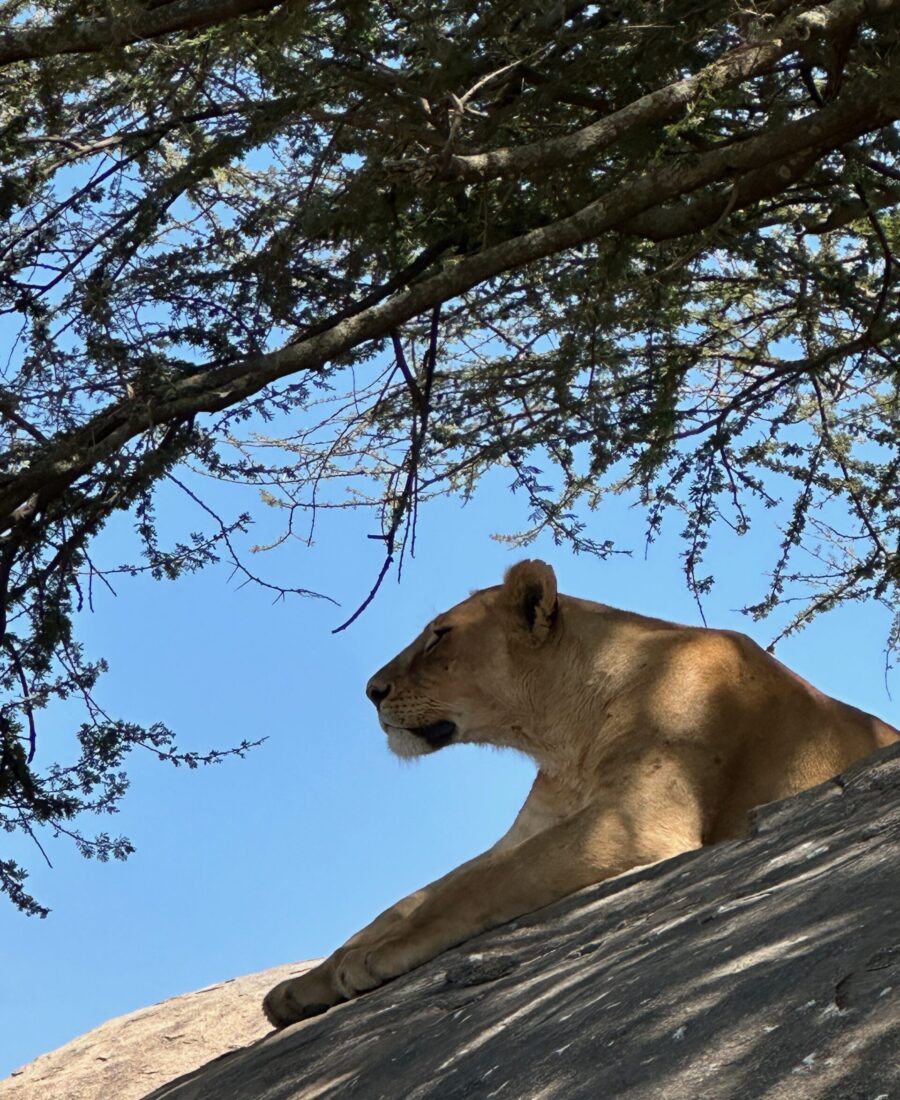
(408,743)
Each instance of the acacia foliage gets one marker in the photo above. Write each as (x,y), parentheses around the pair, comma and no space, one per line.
(359,254)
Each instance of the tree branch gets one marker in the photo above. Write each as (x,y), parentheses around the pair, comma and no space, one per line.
(738,65)
(697,214)
(94,35)
(869,105)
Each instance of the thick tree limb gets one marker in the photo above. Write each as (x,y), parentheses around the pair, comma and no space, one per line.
(743,63)
(868,106)
(696,214)
(29,43)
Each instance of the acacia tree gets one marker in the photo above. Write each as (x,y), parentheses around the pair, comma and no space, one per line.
(358,254)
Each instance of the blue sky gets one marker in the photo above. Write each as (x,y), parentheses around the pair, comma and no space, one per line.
(279,857)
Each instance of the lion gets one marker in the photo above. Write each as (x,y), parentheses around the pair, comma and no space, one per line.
(651,739)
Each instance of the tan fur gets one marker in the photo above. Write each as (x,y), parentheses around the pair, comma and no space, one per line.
(650,738)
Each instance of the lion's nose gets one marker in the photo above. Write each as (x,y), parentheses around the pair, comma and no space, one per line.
(377,691)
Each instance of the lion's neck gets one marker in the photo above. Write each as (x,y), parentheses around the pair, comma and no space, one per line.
(570,727)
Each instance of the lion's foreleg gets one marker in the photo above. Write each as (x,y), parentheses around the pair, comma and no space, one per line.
(588,847)
(318,989)
(598,842)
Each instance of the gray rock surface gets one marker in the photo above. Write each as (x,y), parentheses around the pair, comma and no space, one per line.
(124,1058)
(762,969)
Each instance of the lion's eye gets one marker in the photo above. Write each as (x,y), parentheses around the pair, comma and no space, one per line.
(436,636)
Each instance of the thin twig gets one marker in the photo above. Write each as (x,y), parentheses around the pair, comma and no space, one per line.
(406,506)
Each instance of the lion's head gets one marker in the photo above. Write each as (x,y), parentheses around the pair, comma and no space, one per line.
(466,678)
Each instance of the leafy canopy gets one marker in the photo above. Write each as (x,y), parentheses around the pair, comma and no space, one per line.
(359,254)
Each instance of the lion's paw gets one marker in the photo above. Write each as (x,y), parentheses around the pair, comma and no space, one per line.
(359,969)
(300,998)
(344,975)
(354,972)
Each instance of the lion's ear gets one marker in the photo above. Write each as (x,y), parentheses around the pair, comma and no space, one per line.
(529,593)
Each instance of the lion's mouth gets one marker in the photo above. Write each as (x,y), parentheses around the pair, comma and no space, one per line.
(437,734)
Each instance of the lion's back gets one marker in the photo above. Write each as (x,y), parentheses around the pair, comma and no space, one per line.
(791,736)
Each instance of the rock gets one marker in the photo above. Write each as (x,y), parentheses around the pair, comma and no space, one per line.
(760,969)
(124,1058)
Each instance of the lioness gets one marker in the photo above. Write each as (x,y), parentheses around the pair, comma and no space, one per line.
(650,738)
